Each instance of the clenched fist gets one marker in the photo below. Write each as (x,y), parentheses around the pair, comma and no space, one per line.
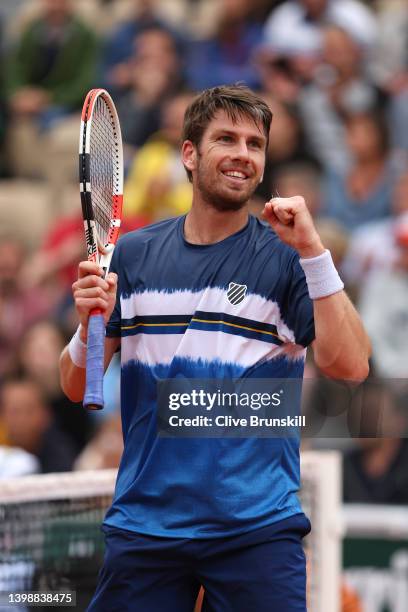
(92,291)
(293,223)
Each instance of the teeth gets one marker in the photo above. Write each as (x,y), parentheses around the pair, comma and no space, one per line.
(235,174)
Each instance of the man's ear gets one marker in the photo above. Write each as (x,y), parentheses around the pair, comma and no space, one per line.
(189,155)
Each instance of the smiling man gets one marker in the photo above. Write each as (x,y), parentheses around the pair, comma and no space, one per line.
(225,182)
(213,294)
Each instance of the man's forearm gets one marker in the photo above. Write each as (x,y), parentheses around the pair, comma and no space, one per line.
(72,377)
(342,347)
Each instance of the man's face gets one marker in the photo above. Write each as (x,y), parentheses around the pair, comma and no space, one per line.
(230,162)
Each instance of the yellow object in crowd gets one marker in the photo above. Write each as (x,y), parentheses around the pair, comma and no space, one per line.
(157,184)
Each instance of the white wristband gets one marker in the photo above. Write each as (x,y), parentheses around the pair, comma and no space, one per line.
(321,276)
(77,350)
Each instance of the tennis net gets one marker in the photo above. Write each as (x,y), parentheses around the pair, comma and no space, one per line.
(50,537)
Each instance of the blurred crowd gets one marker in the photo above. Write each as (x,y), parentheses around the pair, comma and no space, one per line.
(335,74)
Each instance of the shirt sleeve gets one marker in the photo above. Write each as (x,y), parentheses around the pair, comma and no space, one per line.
(298,311)
(113,328)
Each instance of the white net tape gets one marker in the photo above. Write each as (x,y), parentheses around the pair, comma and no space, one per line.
(47,487)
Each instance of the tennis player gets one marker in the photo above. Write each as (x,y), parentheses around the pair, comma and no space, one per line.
(213,294)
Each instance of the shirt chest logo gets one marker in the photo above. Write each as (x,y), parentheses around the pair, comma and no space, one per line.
(236,293)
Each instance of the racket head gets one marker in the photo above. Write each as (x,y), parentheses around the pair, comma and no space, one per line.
(100,175)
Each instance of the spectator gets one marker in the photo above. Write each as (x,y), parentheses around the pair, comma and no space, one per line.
(294,39)
(375,471)
(296,26)
(226,57)
(19,306)
(391,51)
(52,268)
(346,83)
(341,85)
(373,247)
(364,192)
(383,307)
(38,358)
(58,255)
(335,239)
(300,177)
(391,66)
(17,462)
(279,75)
(289,51)
(9,8)
(116,68)
(157,186)
(2,104)
(139,110)
(286,147)
(29,425)
(285,138)
(49,72)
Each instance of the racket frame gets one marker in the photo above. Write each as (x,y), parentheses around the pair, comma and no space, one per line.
(98,252)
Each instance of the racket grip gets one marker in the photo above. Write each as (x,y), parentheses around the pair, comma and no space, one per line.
(93,398)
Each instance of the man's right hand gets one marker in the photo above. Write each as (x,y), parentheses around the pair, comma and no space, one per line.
(92,291)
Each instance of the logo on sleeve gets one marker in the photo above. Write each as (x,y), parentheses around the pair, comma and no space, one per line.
(236,293)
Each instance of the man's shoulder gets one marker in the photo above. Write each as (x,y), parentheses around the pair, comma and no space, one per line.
(149,232)
(146,244)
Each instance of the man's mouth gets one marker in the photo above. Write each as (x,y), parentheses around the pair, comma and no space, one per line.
(235,174)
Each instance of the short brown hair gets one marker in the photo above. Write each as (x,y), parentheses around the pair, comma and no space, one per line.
(236,100)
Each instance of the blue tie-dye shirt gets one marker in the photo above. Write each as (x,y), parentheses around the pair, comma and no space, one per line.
(174,319)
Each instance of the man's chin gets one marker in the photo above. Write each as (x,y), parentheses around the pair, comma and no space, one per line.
(222,197)
(229,201)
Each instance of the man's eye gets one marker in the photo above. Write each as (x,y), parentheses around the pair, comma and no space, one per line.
(255,144)
(225,138)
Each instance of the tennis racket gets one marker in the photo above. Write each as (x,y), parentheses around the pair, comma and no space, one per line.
(101,187)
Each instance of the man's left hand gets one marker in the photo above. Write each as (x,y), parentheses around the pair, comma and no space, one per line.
(293,223)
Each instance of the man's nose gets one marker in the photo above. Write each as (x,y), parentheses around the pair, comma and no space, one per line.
(241,150)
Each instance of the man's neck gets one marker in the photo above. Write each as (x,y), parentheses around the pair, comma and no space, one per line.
(206,225)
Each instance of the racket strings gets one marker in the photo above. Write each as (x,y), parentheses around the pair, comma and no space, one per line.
(104,167)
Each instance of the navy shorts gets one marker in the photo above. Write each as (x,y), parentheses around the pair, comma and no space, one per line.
(263,570)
